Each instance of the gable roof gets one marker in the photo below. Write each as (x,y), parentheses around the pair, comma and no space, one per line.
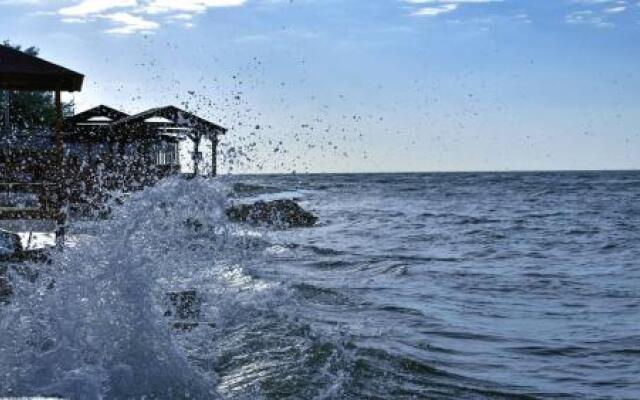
(20,71)
(92,124)
(169,116)
(101,114)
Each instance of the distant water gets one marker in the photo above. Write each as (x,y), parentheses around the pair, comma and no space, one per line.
(453,286)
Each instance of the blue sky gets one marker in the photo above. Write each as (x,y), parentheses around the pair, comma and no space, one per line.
(365,85)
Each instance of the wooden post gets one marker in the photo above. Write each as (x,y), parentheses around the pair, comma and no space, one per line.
(6,119)
(88,148)
(175,168)
(214,155)
(197,156)
(60,176)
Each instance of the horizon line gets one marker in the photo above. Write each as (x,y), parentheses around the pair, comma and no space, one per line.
(434,172)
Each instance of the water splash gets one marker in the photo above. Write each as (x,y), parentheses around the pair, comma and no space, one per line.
(92,324)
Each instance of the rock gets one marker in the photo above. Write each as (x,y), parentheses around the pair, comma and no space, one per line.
(184,309)
(194,224)
(10,244)
(279,213)
(5,286)
(183,305)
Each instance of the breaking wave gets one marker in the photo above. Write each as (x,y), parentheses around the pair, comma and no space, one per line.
(395,294)
(104,319)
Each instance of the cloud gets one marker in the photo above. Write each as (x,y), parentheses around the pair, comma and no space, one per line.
(89,7)
(133,16)
(615,9)
(20,2)
(181,17)
(587,17)
(596,1)
(437,7)
(600,13)
(138,16)
(129,23)
(433,11)
(193,6)
(452,1)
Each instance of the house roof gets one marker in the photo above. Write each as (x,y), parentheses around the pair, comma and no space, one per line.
(20,71)
(92,124)
(100,115)
(166,117)
(103,122)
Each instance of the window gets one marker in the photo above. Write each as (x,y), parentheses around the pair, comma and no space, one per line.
(167,154)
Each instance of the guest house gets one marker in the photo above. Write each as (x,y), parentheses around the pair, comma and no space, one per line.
(153,143)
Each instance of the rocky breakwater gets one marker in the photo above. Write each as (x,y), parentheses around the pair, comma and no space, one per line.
(278,213)
(10,246)
(5,286)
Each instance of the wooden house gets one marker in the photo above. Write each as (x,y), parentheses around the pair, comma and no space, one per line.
(109,149)
(43,172)
(80,159)
(172,138)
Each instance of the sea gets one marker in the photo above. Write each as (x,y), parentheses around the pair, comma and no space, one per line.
(515,285)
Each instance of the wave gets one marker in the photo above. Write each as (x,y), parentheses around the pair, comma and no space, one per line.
(94,323)
(98,329)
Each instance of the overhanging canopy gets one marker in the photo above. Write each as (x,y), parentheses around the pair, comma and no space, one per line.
(20,71)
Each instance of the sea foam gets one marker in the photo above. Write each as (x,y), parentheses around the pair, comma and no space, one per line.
(93,322)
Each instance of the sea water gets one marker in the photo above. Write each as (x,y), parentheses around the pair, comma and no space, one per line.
(476,285)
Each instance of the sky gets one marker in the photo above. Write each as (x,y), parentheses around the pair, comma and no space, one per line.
(364,85)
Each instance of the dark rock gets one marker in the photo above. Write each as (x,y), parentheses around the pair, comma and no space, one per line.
(9,244)
(184,305)
(279,213)
(185,326)
(194,224)
(184,308)
(5,286)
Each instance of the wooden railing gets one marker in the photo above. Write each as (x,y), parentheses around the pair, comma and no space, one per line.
(87,186)
(29,172)
(47,204)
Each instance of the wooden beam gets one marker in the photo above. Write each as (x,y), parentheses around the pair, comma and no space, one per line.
(214,155)
(27,213)
(29,187)
(61,217)
(6,119)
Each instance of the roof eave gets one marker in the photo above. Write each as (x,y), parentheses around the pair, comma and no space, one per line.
(30,82)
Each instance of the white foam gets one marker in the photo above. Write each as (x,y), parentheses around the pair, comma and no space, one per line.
(100,330)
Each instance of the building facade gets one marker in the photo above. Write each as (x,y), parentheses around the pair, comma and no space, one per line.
(163,140)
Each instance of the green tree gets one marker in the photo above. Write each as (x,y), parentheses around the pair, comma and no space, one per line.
(31,110)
